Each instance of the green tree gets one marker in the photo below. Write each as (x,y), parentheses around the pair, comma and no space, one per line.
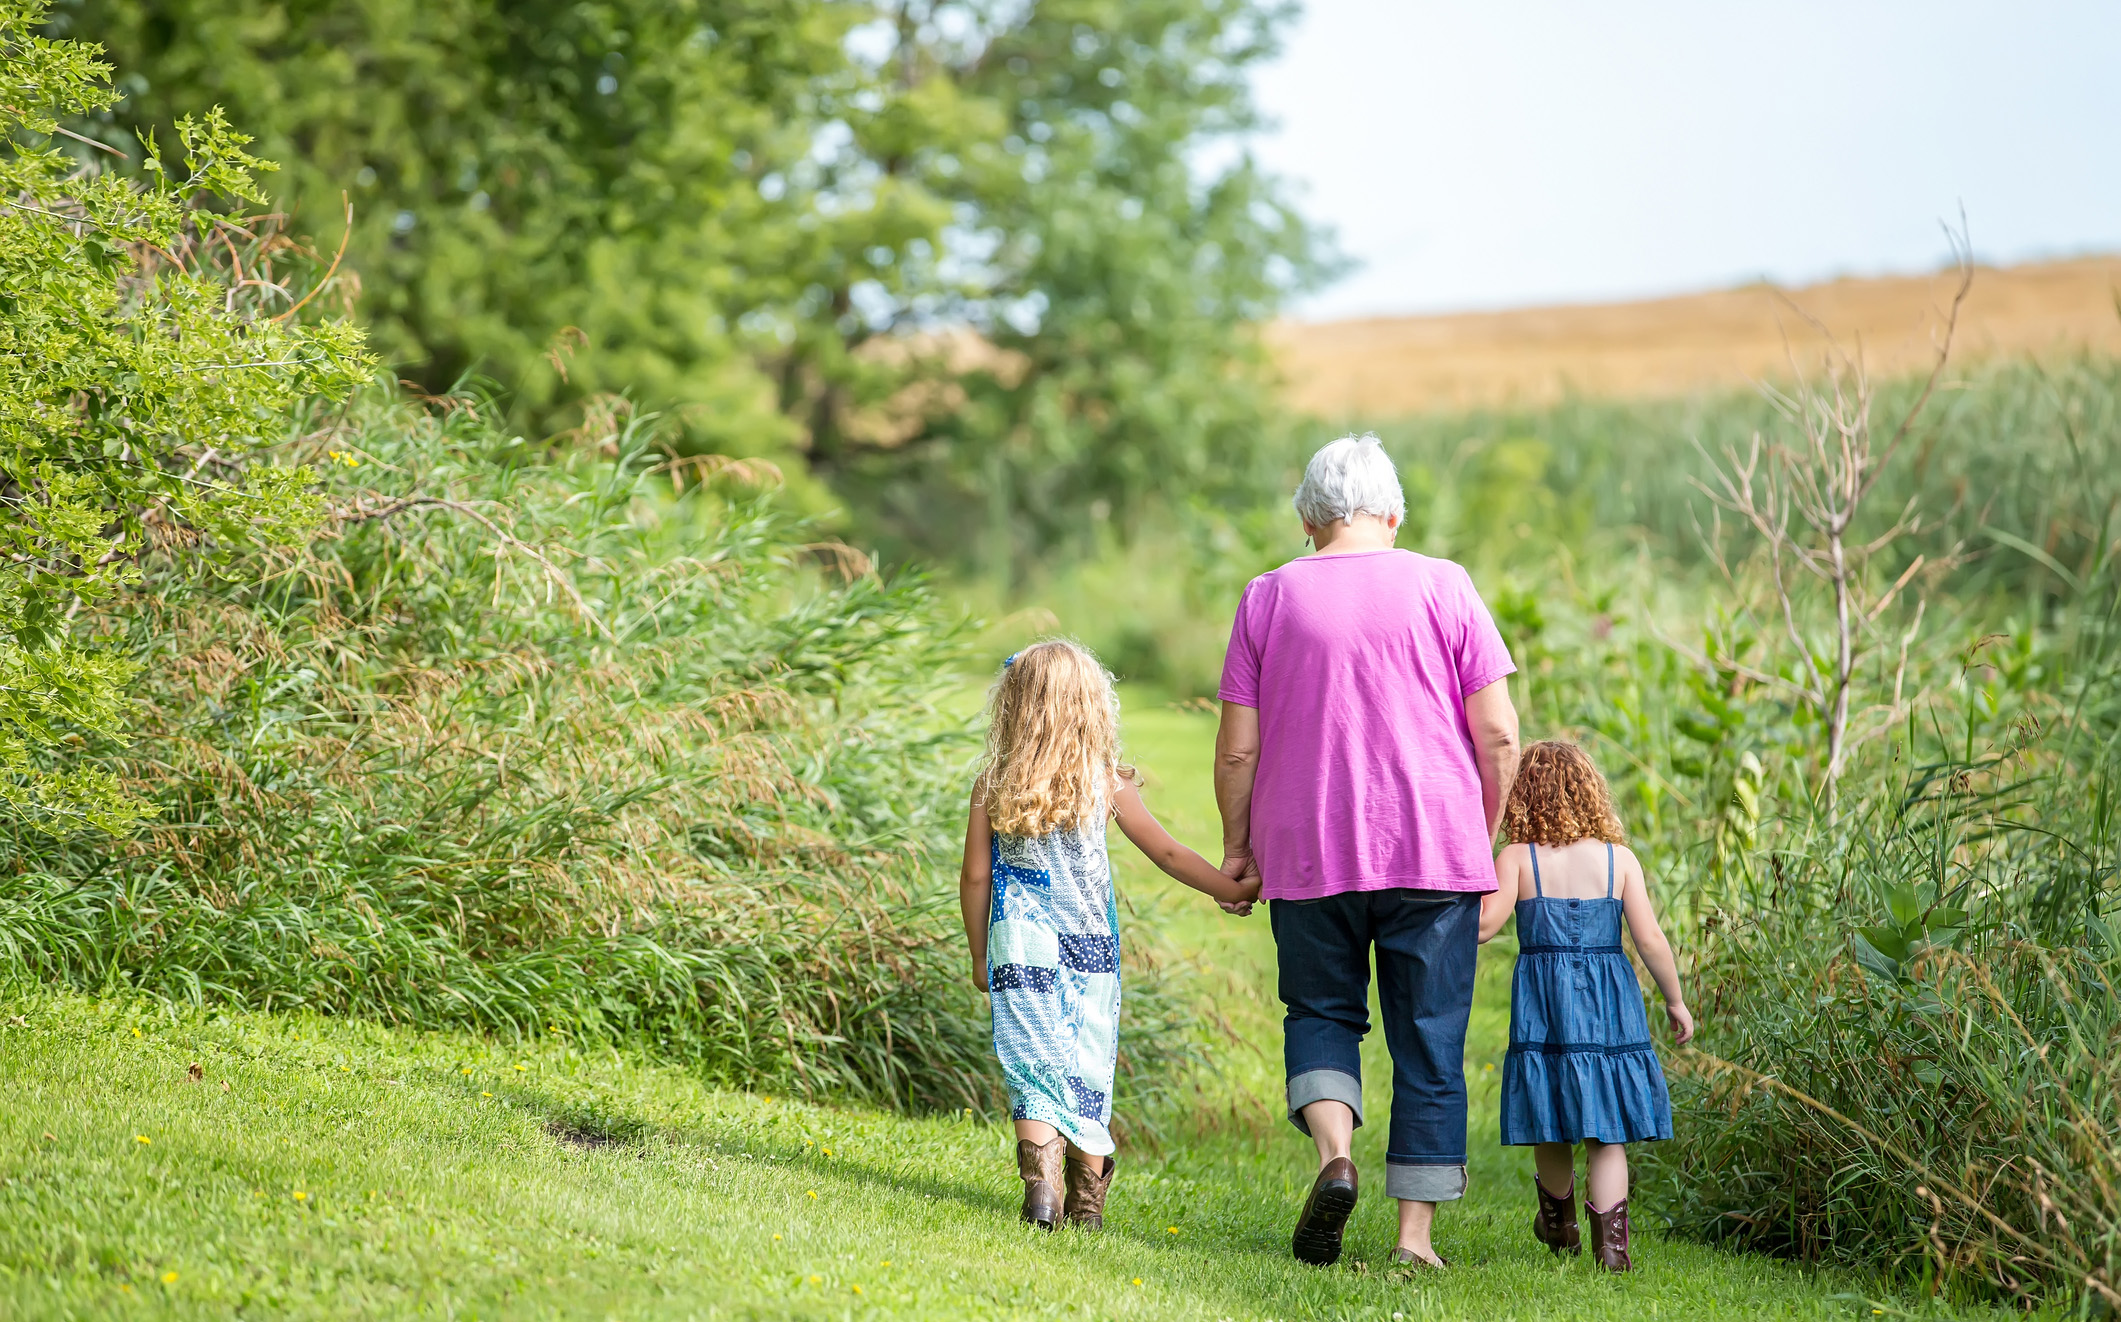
(140,396)
(572,198)
(990,268)
(1114,244)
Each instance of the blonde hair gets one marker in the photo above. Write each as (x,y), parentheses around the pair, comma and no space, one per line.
(1052,758)
(1560,798)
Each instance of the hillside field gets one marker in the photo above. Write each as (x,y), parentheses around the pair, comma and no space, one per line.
(1392,367)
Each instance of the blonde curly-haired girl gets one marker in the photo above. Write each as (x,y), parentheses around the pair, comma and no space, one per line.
(1036,889)
(1581,1068)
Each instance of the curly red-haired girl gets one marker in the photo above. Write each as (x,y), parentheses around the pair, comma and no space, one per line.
(1581,1068)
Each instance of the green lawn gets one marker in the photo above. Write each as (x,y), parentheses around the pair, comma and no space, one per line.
(329,1169)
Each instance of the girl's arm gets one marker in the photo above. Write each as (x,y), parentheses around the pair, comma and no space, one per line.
(1650,943)
(1497,906)
(975,886)
(1149,836)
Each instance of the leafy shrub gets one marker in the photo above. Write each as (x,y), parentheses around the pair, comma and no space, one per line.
(537,747)
(1912,1037)
(140,398)
(1910,1027)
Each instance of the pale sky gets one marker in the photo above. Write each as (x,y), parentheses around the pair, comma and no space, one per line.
(1497,153)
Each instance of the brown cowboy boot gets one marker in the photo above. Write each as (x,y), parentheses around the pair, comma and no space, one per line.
(1555,1226)
(1039,1165)
(1088,1179)
(1609,1236)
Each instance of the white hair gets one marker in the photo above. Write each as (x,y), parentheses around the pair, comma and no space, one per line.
(1351,476)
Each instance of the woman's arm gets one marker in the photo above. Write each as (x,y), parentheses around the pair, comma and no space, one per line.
(1492,720)
(1651,944)
(975,886)
(1149,836)
(1236,767)
(1497,906)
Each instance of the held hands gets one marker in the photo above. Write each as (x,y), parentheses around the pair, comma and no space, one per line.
(1244,870)
(1682,1023)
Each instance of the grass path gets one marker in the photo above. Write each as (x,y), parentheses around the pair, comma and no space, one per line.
(327,1169)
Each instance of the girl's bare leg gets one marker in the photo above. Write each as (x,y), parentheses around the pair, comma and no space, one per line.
(1556,1164)
(1606,1173)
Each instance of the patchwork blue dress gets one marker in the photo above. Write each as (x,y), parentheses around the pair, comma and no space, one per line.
(1581,1064)
(1053,969)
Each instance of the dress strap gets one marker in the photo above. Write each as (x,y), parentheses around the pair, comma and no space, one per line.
(1609,871)
(1535,872)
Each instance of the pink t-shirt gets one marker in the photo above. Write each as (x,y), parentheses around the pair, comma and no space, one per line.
(1359,665)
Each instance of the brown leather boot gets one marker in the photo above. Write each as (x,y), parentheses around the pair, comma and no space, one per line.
(1088,1179)
(1609,1236)
(1555,1226)
(1039,1165)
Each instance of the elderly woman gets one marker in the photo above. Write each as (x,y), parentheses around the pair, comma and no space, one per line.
(1365,754)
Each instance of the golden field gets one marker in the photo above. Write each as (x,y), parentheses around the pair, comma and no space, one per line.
(1390,366)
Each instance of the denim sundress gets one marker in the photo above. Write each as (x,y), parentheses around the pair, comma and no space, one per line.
(1581,1064)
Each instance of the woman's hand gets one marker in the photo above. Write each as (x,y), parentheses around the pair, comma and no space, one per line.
(1682,1022)
(979,976)
(1241,868)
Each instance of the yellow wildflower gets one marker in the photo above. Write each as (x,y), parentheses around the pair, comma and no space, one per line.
(300,1196)
(169,1278)
(142,1138)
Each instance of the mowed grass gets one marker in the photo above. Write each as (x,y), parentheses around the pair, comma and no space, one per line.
(330,1169)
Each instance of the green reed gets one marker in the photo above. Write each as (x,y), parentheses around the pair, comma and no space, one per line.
(579,745)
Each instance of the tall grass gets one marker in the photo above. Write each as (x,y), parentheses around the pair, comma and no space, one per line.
(1592,497)
(1913,1040)
(546,741)
(1910,1028)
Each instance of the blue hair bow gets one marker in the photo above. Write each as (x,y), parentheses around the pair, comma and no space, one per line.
(1010,659)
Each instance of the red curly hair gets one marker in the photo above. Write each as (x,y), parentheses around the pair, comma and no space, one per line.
(1560,798)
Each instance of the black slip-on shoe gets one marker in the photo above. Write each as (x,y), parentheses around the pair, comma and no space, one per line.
(1326,1212)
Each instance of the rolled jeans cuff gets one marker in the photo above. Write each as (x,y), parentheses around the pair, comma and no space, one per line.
(1425,1184)
(1323,1085)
